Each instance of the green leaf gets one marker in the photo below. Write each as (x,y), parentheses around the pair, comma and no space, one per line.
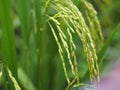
(8,39)
(24,12)
(38,38)
(42,76)
(106,45)
(24,8)
(25,81)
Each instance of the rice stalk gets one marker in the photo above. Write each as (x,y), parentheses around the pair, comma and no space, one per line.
(88,44)
(60,52)
(17,87)
(67,50)
(75,23)
(94,25)
(74,68)
(73,48)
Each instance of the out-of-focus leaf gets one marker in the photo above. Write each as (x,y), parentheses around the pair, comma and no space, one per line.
(8,40)
(25,81)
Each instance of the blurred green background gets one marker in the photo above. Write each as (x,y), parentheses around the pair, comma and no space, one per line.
(47,73)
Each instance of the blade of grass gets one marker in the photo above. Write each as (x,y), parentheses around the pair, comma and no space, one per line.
(38,37)
(25,81)
(106,45)
(15,83)
(24,7)
(24,12)
(103,50)
(8,39)
(42,53)
(40,47)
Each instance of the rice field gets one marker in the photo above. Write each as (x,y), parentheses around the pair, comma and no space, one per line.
(57,44)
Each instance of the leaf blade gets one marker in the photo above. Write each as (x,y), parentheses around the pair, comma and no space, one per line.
(8,39)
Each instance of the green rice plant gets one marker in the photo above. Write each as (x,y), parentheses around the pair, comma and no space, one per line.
(71,15)
(50,31)
(24,13)
(7,38)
